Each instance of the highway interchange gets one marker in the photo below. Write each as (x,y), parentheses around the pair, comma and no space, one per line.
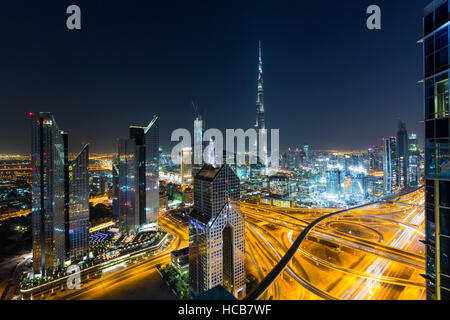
(368,253)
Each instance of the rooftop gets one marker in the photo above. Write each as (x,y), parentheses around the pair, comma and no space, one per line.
(216,293)
(208,172)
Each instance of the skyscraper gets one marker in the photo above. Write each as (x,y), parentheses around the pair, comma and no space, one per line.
(139,178)
(186,166)
(199,144)
(152,172)
(390,164)
(60,197)
(402,156)
(128,187)
(260,126)
(375,158)
(115,190)
(260,96)
(334,177)
(217,232)
(414,161)
(306,151)
(358,185)
(78,203)
(437,141)
(48,194)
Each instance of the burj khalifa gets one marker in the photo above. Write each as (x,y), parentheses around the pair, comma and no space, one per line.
(260,96)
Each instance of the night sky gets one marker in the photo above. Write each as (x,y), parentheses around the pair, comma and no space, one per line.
(329,81)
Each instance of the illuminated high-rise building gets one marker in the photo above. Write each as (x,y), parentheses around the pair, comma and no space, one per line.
(306,152)
(217,232)
(199,144)
(139,178)
(48,194)
(334,177)
(260,126)
(414,161)
(186,166)
(290,159)
(437,141)
(128,186)
(60,197)
(260,121)
(279,187)
(197,162)
(402,156)
(78,204)
(390,164)
(358,183)
(376,158)
(115,190)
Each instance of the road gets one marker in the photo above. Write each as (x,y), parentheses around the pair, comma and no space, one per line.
(139,280)
(20,213)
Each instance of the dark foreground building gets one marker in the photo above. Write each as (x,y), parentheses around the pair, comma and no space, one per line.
(437,167)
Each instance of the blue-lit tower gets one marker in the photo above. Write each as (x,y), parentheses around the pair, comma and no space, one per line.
(435,39)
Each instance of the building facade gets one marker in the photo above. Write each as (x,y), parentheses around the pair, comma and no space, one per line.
(78,203)
(334,178)
(48,194)
(60,197)
(376,158)
(402,157)
(186,166)
(128,186)
(115,190)
(217,233)
(437,168)
(414,161)
(279,187)
(139,178)
(199,144)
(390,164)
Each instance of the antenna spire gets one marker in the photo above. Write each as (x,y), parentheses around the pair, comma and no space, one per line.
(195,106)
(260,56)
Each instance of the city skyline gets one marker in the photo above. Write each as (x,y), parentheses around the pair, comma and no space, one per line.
(184,71)
(141,200)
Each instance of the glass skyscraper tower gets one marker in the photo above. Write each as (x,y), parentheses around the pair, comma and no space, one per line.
(199,144)
(60,197)
(78,204)
(139,178)
(390,164)
(186,166)
(402,156)
(437,167)
(128,185)
(217,232)
(414,161)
